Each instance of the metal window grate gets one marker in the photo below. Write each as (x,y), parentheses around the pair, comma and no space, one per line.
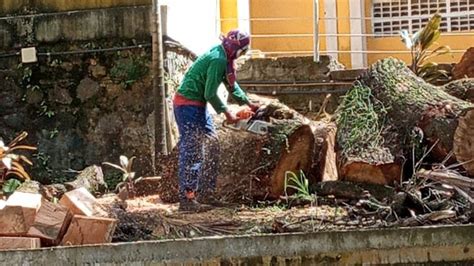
(391,16)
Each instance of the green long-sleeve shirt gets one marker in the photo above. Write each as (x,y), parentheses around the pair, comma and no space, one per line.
(201,81)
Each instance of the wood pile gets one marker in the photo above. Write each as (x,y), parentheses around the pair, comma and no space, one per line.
(28,220)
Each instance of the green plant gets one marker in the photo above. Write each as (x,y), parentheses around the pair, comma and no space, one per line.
(299,183)
(419,45)
(10,186)
(129,178)
(129,70)
(11,162)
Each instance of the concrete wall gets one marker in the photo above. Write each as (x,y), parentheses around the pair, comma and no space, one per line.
(126,22)
(25,6)
(387,246)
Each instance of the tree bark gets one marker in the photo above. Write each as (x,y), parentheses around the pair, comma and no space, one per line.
(253,166)
(389,110)
(461,88)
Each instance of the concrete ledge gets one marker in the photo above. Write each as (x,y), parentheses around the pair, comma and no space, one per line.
(11,6)
(119,22)
(406,245)
(130,22)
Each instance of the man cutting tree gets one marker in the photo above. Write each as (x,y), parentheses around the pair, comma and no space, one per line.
(198,164)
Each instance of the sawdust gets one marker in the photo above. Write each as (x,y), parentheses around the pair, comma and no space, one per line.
(147,218)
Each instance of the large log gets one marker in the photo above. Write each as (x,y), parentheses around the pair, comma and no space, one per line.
(19,213)
(461,88)
(50,223)
(81,202)
(11,243)
(253,166)
(385,112)
(89,230)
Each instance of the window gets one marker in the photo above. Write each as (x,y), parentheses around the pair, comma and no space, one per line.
(391,16)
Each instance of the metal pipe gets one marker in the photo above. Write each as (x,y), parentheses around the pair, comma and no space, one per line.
(316,30)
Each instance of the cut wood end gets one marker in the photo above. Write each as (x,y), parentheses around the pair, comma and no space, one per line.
(463,144)
(297,156)
(11,243)
(383,174)
(89,230)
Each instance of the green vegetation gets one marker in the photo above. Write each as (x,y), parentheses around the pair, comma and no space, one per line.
(420,44)
(361,119)
(129,70)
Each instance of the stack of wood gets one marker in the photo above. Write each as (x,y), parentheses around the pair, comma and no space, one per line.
(29,221)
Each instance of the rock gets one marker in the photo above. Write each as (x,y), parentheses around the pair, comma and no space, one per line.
(34,96)
(16,121)
(68,66)
(465,67)
(87,89)
(113,90)
(91,178)
(98,71)
(60,95)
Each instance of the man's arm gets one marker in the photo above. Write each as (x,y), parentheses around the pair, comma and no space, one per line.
(239,95)
(215,72)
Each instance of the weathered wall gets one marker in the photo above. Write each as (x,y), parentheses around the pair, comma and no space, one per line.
(120,22)
(24,6)
(421,246)
(297,81)
(80,109)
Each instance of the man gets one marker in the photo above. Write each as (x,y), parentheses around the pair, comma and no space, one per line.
(198,144)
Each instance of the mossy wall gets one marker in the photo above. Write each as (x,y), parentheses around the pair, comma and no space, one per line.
(24,6)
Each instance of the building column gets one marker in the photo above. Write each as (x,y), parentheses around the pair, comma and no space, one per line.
(243,11)
(330,13)
(358,42)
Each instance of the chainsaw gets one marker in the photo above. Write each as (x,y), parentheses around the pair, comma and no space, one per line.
(252,124)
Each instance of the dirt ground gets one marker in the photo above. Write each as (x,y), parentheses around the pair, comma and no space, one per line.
(147,218)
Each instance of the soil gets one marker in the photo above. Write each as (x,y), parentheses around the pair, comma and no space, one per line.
(147,218)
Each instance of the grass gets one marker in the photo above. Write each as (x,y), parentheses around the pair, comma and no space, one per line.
(361,120)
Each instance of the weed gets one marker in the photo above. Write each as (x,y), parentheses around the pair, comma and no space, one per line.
(129,178)
(419,44)
(299,183)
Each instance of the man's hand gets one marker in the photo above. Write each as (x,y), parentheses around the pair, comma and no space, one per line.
(253,106)
(231,118)
(245,113)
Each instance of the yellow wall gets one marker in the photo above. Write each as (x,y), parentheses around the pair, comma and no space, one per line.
(395,44)
(343,26)
(302,10)
(229,15)
(10,6)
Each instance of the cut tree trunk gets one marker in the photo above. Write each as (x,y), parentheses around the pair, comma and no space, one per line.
(81,202)
(11,243)
(50,223)
(89,230)
(461,88)
(90,178)
(19,213)
(387,111)
(253,166)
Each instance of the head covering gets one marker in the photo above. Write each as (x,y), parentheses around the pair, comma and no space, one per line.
(234,43)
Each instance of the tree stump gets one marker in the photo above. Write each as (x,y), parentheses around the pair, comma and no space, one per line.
(387,111)
(253,166)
